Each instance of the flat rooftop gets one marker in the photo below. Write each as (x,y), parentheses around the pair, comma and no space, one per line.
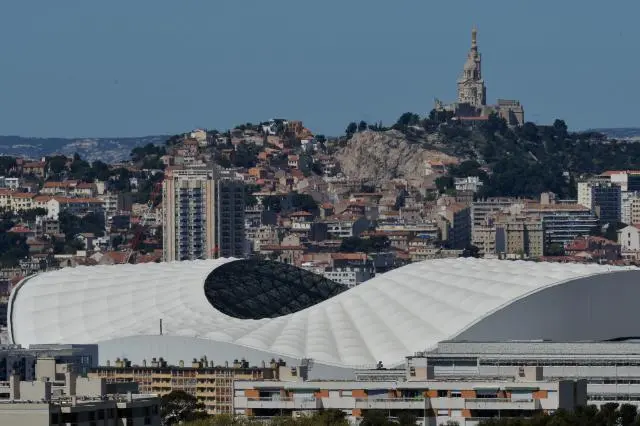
(629,348)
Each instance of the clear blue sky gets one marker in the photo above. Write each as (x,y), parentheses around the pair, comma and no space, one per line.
(79,68)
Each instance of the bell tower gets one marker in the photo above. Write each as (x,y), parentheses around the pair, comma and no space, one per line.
(471,88)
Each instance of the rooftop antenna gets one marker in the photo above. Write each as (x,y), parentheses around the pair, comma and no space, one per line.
(161,326)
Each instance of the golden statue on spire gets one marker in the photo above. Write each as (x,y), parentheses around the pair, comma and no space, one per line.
(474,36)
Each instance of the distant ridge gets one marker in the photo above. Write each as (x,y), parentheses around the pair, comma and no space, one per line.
(109,150)
(619,132)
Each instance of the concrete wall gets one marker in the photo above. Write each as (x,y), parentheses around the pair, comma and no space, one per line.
(24,414)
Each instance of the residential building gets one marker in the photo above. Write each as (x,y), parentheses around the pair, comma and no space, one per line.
(455,225)
(611,369)
(629,238)
(58,396)
(469,183)
(12,183)
(481,210)
(511,236)
(523,237)
(563,222)
(36,168)
(203,215)
(16,360)
(229,216)
(466,401)
(603,197)
(628,180)
(630,209)
(211,384)
(594,249)
(346,226)
(349,269)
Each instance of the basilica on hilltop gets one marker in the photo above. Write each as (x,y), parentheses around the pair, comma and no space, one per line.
(471,105)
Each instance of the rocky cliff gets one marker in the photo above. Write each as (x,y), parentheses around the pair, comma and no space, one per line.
(376,157)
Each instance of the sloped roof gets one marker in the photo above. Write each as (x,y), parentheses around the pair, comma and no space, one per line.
(384,319)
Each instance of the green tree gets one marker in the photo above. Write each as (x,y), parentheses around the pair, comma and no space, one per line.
(31,214)
(628,414)
(555,249)
(304,202)
(56,164)
(443,183)
(7,163)
(179,406)
(362,126)
(471,251)
(101,170)
(375,418)
(405,120)
(351,129)
(13,247)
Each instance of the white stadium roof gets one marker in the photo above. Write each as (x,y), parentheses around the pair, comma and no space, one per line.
(384,319)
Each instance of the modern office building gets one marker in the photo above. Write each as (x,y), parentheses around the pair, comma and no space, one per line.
(603,197)
(465,401)
(203,215)
(563,222)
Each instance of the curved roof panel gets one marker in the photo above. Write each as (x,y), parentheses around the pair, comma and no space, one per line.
(384,319)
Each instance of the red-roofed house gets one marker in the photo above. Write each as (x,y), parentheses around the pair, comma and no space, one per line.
(594,248)
(35,168)
(293,161)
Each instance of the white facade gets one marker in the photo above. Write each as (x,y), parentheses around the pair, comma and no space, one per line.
(629,238)
(396,313)
(470,183)
(350,276)
(584,194)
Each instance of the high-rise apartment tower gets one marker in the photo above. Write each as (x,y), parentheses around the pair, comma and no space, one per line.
(203,215)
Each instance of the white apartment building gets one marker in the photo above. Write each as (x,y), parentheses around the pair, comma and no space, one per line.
(630,210)
(469,183)
(203,215)
(629,238)
(12,183)
(466,401)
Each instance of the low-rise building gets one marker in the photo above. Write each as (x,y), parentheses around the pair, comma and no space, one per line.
(211,384)
(466,401)
(58,396)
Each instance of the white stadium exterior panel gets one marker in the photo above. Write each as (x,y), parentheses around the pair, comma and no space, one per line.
(384,319)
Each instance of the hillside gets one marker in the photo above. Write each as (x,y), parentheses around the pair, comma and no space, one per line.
(631,133)
(109,150)
(521,161)
(376,157)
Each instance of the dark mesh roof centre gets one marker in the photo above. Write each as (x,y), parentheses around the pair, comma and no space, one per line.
(255,289)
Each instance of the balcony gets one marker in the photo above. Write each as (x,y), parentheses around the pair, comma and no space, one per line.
(280,403)
(393,403)
(448,403)
(501,404)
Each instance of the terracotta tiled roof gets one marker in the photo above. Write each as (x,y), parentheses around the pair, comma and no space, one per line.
(348,256)
(23,195)
(19,230)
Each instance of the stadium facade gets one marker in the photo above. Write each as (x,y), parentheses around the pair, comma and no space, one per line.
(259,309)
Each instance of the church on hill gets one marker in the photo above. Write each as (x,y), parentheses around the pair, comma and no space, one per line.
(471,105)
